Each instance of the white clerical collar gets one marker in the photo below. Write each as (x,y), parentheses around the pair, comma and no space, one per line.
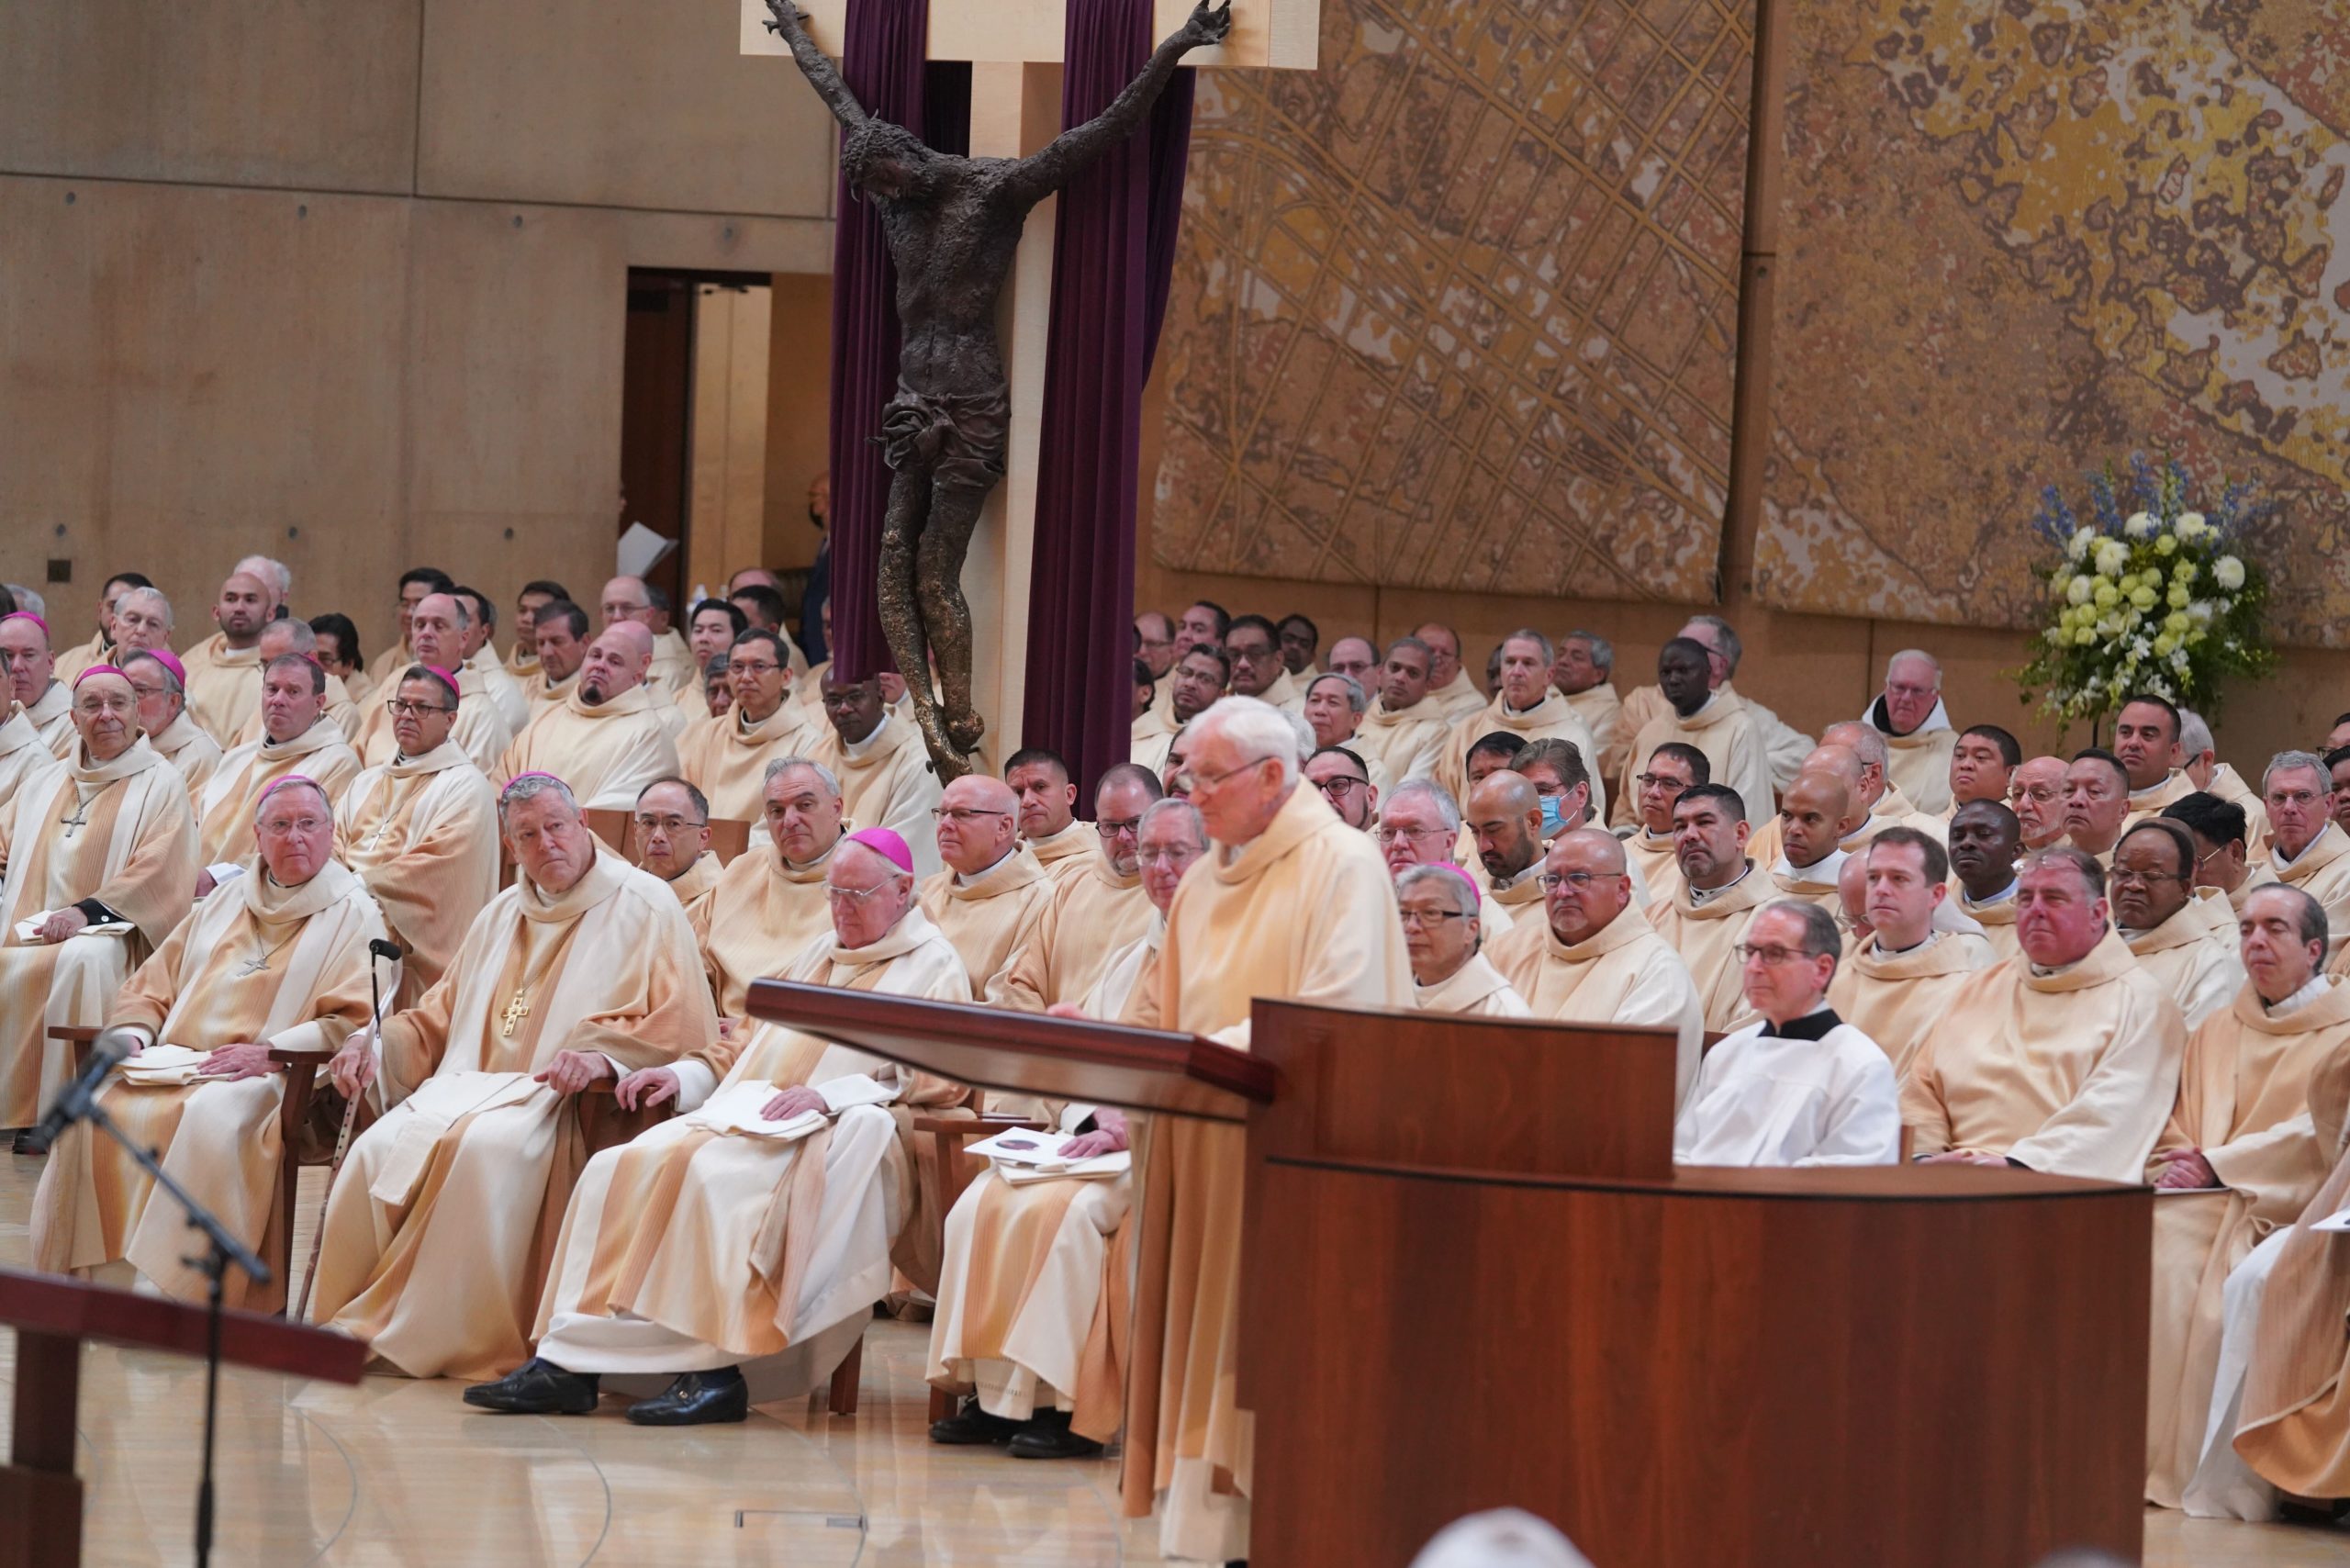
(859,750)
(1701,897)
(1822,871)
(2279,858)
(2311,992)
(2002,896)
(981,879)
(2146,795)
(1931,937)
(2043,970)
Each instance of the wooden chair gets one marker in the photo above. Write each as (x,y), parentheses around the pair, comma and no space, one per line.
(956,1172)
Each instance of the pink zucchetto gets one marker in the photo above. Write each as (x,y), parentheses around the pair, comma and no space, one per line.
(887,844)
(25,615)
(168,660)
(1476,893)
(98,669)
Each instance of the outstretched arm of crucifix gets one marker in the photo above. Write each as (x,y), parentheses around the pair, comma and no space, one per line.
(789,22)
(1052,167)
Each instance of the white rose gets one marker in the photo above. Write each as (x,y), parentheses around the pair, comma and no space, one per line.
(2190,526)
(2112,556)
(2228,572)
(2140,525)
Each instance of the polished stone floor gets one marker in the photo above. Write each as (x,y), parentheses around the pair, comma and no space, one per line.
(396,1472)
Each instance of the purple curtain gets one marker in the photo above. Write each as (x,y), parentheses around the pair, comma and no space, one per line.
(1113,258)
(884,66)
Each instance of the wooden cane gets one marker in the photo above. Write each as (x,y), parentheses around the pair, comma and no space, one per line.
(342,1138)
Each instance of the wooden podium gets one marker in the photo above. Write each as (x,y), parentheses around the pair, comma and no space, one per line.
(40,1498)
(1473,1278)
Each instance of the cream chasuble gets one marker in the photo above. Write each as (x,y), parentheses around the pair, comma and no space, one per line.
(2244,1099)
(392,660)
(1409,744)
(225,810)
(1996,916)
(1151,752)
(337,704)
(52,716)
(73,661)
(1783,745)
(1726,732)
(479,731)
(120,833)
(1090,918)
(2198,967)
(22,753)
(673,666)
(2143,804)
(1131,977)
(607,753)
(2323,871)
(422,834)
(2255,877)
(1652,857)
(542,696)
(707,1241)
(1764,1099)
(694,885)
(1285,694)
(2070,1073)
(1306,912)
(1707,936)
(1602,712)
(1458,697)
(1549,720)
(726,758)
(438,1230)
(260,963)
(1067,852)
(1815,883)
(1894,998)
(522,660)
(1892,808)
(196,755)
(886,781)
(988,916)
(1475,990)
(223,684)
(1625,973)
(1917,764)
(498,684)
(761,910)
(2229,784)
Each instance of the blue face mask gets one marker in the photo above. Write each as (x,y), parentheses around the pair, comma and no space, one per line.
(1554,821)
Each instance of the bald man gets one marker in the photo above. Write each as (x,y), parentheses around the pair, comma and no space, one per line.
(991,890)
(224,670)
(672,667)
(1505,822)
(1818,813)
(2036,795)
(608,738)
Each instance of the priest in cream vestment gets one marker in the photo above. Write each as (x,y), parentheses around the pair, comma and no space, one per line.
(770,901)
(298,737)
(1291,904)
(735,1252)
(1033,1293)
(1526,707)
(1714,721)
(1406,729)
(285,636)
(2306,847)
(1093,912)
(479,727)
(421,832)
(727,755)
(1900,981)
(27,678)
(1450,687)
(161,686)
(1064,846)
(2239,1158)
(1909,713)
(1715,895)
(881,763)
(1583,673)
(1442,937)
(22,753)
(2188,944)
(2064,1059)
(607,739)
(668,836)
(278,960)
(224,670)
(1985,841)
(99,856)
(992,893)
(442,1221)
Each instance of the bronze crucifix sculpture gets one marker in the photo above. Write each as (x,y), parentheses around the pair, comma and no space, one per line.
(952,226)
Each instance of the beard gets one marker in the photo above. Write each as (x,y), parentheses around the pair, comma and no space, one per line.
(591,692)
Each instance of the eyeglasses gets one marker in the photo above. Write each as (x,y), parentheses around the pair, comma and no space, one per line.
(1175,855)
(855,896)
(1424,917)
(1774,957)
(1551,881)
(1191,782)
(1113,827)
(961,816)
(1659,781)
(403,709)
(2145,879)
(278,827)
(1341,784)
(666,824)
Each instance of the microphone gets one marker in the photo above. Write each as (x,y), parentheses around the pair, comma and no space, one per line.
(382,949)
(114,1045)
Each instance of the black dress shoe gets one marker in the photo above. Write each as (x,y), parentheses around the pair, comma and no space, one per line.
(972,1426)
(536,1388)
(1047,1436)
(696,1399)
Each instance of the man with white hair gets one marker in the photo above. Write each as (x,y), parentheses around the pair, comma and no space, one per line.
(276,575)
(2065,1061)
(1600,960)
(1525,706)
(288,635)
(1799,1085)
(1784,747)
(1420,824)
(1910,715)
(672,667)
(99,860)
(279,962)
(735,1252)
(770,898)
(436,631)
(297,737)
(2200,761)
(608,738)
(1404,732)
(1292,905)
(2306,848)
(1335,706)
(26,662)
(224,670)
(440,1227)
(1443,937)
(142,622)
(155,674)
(1583,672)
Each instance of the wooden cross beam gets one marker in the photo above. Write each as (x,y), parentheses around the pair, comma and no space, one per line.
(1016,48)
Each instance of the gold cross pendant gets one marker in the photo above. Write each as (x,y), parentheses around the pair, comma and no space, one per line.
(516,1010)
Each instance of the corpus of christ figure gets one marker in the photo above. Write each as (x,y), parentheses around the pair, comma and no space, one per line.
(953,227)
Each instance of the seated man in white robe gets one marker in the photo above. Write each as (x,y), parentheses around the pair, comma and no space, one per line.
(1063,845)
(1799,1086)
(1715,892)
(436,632)
(1504,818)
(736,1251)
(2147,735)
(1982,764)
(1986,840)
(1443,936)
(2036,795)
(279,962)
(669,832)
(1650,850)
(289,635)
(609,737)
(2097,802)
(1420,826)
(2223,861)
(444,1215)
(1345,781)
(2172,933)
(162,686)
(297,737)
(883,768)
(2306,847)
(1899,982)
(1405,730)
(31,682)
(2200,761)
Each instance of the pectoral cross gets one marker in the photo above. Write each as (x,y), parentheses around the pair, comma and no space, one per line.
(516,1010)
(253,967)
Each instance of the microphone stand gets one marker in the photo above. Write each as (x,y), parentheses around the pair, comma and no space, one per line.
(223,1251)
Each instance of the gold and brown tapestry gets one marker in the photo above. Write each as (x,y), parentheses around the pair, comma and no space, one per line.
(1458,310)
(2021,237)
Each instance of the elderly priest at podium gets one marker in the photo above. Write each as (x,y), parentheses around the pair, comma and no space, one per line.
(99,853)
(737,1250)
(584,970)
(2063,1059)
(1799,1086)
(1292,903)
(278,960)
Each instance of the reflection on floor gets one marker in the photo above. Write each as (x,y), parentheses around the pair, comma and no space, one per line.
(399,1473)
